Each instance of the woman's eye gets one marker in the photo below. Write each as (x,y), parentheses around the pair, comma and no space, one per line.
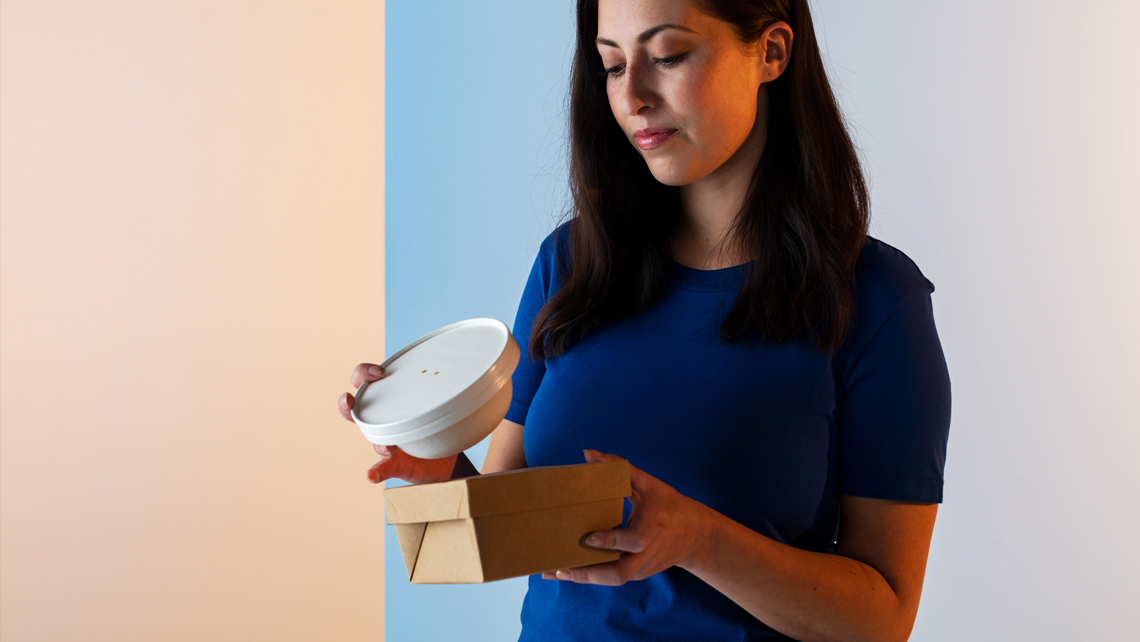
(616,70)
(671,61)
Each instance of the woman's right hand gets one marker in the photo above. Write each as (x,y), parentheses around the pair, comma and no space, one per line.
(394,463)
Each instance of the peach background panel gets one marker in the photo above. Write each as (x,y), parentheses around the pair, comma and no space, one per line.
(191,260)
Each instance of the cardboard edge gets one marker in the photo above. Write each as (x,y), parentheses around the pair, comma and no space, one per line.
(622,465)
(466,526)
(463,509)
(453,493)
(410,538)
(473,538)
(393,513)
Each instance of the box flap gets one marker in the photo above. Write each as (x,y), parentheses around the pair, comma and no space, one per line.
(449,554)
(426,502)
(410,537)
(513,491)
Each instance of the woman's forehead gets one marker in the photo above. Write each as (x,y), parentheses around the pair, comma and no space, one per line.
(634,21)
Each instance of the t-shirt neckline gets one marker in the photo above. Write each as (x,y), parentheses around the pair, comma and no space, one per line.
(729,278)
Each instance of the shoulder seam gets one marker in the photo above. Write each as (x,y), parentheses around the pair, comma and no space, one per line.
(909,260)
(927,289)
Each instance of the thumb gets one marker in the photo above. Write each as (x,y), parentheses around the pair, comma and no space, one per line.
(593,456)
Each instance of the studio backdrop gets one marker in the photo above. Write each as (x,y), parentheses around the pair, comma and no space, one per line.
(1003,150)
(210,211)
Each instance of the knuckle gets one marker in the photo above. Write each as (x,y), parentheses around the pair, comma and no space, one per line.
(621,573)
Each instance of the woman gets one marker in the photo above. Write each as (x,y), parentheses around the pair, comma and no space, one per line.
(715,313)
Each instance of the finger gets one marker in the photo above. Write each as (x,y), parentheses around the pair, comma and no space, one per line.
(387,468)
(345,404)
(638,478)
(617,539)
(365,372)
(593,456)
(395,463)
(608,574)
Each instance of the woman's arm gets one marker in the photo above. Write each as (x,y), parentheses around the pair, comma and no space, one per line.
(868,590)
(505,452)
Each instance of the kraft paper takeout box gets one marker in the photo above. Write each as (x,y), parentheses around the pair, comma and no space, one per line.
(519,522)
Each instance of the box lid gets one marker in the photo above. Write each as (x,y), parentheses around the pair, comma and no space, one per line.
(436,380)
(513,491)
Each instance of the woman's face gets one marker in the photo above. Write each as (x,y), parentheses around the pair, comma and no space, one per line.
(681,85)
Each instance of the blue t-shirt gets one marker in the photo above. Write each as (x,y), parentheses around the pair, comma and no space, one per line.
(767,434)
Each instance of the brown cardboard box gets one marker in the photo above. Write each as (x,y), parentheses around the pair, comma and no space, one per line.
(491,527)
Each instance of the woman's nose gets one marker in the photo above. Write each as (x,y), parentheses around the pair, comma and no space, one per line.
(636,90)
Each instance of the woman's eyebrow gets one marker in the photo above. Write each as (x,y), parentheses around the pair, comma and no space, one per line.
(645,35)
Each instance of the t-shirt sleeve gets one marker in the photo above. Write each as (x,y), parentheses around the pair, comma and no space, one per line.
(894,410)
(528,374)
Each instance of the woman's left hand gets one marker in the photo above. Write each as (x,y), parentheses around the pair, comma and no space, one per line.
(664,529)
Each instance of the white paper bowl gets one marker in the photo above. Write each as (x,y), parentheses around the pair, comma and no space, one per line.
(442,393)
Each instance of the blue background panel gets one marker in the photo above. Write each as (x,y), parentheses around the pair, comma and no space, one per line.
(475,156)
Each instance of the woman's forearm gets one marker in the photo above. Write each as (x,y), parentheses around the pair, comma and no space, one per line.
(806,595)
(868,590)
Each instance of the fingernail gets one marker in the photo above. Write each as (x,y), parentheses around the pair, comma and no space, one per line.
(562,574)
(596,540)
(375,371)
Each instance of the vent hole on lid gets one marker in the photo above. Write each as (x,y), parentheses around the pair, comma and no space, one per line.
(436,372)
(423,372)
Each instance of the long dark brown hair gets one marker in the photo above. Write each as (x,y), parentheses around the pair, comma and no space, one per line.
(804,218)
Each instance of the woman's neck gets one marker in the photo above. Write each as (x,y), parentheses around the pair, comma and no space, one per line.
(710,205)
(709,213)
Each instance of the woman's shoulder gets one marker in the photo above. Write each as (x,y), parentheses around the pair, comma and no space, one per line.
(544,272)
(884,278)
(883,274)
(557,243)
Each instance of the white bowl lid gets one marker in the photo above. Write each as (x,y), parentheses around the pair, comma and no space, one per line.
(451,371)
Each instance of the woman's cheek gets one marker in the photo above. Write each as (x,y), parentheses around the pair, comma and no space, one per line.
(687,97)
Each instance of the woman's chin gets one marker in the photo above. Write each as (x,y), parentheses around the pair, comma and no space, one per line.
(672,173)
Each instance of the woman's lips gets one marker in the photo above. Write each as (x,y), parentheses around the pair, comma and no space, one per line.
(652,137)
